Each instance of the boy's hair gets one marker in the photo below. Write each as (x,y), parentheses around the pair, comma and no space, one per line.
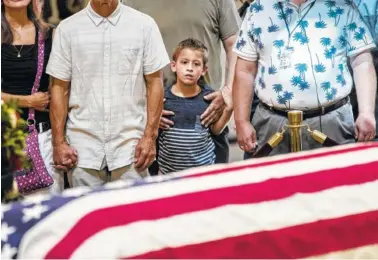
(194,45)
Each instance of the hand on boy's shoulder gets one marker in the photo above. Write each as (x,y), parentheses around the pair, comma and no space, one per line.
(207,90)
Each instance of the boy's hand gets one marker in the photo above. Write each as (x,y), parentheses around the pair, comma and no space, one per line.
(165,123)
(215,109)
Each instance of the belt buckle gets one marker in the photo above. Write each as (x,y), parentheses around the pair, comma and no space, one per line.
(42,126)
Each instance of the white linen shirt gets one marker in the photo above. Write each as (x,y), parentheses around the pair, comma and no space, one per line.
(106,60)
(319,75)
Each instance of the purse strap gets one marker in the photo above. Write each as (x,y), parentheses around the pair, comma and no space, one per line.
(41,60)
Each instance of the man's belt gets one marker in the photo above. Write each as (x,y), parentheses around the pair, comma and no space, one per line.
(43,127)
(310,113)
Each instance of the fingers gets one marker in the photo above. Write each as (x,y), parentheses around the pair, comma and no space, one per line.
(69,163)
(137,153)
(211,96)
(248,142)
(369,136)
(167,113)
(361,135)
(147,163)
(206,114)
(141,161)
(248,146)
(211,118)
(356,132)
(364,137)
(165,123)
(65,158)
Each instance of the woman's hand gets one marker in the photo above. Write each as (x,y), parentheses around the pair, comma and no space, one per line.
(39,101)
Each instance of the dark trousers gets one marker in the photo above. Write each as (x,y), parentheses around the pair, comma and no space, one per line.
(222,147)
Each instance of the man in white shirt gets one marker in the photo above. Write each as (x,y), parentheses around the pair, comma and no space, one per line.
(294,54)
(106,63)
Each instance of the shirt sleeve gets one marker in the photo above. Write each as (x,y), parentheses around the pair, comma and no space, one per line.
(245,47)
(229,20)
(358,34)
(155,56)
(59,65)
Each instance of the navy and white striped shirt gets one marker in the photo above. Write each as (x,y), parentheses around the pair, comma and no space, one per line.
(187,144)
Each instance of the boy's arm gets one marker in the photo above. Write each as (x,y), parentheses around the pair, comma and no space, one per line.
(218,127)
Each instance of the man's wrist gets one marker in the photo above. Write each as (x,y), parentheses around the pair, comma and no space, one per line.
(150,133)
(242,121)
(59,141)
(366,111)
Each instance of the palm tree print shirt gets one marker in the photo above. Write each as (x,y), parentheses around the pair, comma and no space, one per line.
(320,43)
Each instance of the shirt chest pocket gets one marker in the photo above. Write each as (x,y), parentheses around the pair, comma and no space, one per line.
(130,61)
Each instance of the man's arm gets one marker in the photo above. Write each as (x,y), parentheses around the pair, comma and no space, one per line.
(155,92)
(145,151)
(231,56)
(229,23)
(365,79)
(58,110)
(224,96)
(64,156)
(245,74)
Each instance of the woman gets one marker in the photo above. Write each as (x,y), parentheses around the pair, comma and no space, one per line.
(20,26)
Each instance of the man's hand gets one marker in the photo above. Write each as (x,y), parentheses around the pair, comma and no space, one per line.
(65,157)
(145,153)
(364,129)
(246,136)
(165,123)
(215,109)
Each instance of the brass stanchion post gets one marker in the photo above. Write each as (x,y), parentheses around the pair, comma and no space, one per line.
(295,123)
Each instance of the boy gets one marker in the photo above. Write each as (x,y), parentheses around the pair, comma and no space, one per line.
(189,144)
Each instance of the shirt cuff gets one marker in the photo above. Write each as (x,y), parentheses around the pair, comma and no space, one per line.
(245,56)
(361,49)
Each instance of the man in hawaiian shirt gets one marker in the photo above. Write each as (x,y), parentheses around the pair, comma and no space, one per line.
(294,54)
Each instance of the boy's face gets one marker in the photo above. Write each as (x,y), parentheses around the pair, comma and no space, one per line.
(189,66)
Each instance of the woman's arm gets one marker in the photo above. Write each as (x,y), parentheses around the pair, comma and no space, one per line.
(39,101)
(22,101)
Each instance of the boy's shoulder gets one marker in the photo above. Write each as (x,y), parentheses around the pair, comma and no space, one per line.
(207,89)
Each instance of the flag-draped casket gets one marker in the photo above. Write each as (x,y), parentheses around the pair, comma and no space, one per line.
(313,204)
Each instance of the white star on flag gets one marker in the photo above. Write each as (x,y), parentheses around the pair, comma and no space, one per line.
(4,208)
(6,231)
(7,252)
(33,212)
(35,199)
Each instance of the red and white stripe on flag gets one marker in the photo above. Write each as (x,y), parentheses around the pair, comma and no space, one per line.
(311,204)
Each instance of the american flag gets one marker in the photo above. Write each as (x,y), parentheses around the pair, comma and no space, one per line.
(312,204)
